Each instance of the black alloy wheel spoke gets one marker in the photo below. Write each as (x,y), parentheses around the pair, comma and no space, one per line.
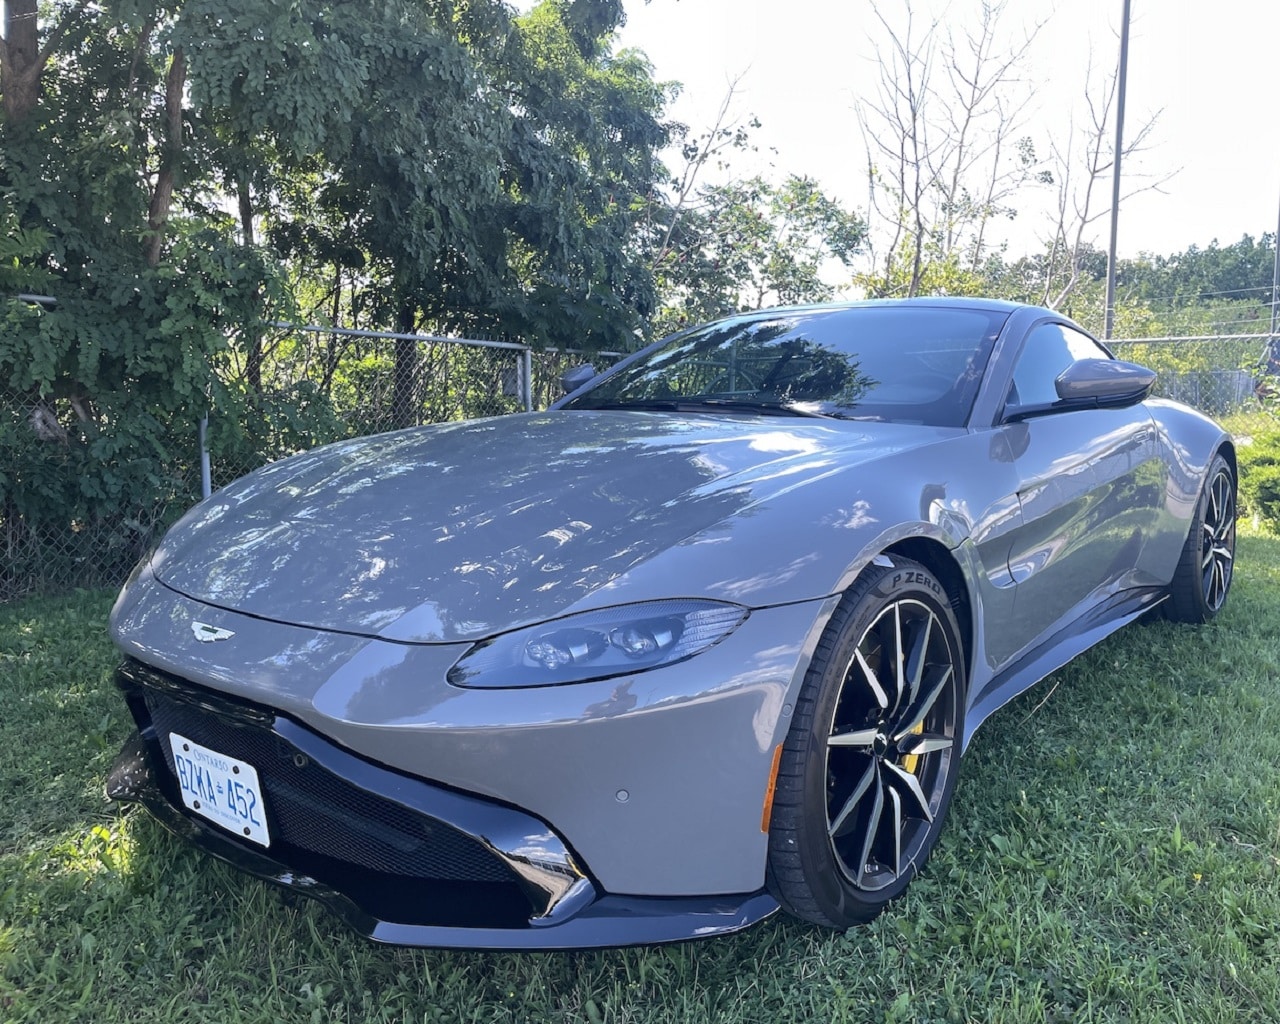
(921,743)
(917,660)
(908,786)
(895,831)
(940,677)
(872,828)
(899,680)
(869,678)
(856,738)
(845,820)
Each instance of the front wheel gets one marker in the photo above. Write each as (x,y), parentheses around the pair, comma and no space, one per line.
(870,762)
(1203,577)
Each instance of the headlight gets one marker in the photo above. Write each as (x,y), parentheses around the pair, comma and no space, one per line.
(596,645)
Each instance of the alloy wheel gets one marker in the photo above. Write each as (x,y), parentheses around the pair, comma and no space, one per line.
(1218,540)
(892,745)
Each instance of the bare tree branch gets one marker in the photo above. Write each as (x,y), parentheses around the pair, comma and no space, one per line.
(723,134)
(1078,182)
(940,131)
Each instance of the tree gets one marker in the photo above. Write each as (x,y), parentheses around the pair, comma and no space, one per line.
(750,243)
(580,170)
(944,154)
(23,58)
(424,162)
(709,150)
(1079,168)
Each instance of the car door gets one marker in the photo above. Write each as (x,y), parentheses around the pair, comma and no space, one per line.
(1089,487)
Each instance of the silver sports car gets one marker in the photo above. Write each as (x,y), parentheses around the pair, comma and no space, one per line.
(707,638)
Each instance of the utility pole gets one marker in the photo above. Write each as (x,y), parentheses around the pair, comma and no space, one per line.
(1275,289)
(1273,343)
(1110,316)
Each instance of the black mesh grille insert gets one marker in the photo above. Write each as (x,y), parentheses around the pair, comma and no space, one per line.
(313,809)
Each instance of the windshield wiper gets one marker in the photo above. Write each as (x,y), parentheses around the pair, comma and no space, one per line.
(645,404)
(764,408)
(809,409)
(713,405)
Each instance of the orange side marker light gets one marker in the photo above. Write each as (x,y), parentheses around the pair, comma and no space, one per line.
(768,792)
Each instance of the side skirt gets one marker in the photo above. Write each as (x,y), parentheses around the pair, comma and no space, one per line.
(1055,652)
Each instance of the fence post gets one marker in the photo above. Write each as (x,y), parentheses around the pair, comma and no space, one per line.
(526,373)
(206,481)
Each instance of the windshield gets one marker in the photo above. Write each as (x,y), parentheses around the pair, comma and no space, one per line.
(907,364)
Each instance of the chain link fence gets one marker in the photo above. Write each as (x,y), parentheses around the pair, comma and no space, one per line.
(329,384)
(1228,377)
(59,528)
(307,385)
(301,386)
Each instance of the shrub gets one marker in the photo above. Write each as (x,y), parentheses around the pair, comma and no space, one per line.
(1260,480)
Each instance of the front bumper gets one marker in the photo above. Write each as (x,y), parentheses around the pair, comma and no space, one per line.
(401,860)
(656,780)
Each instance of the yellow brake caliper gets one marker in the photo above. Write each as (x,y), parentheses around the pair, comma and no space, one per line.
(910,761)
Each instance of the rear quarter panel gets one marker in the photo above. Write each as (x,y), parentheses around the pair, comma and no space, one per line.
(1189,440)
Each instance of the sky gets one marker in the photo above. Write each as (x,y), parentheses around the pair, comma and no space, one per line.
(1209,69)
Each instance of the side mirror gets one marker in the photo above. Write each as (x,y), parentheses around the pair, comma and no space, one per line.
(1091,384)
(575,378)
(1107,383)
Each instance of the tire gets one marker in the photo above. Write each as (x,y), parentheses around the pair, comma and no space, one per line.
(1203,577)
(870,762)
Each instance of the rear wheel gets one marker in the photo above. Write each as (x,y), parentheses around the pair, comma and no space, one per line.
(870,763)
(1203,577)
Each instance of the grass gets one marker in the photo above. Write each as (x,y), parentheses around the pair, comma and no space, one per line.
(1113,854)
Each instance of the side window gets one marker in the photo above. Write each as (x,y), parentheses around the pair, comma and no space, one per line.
(1048,350)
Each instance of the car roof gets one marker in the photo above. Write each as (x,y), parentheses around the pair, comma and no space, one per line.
(918,302)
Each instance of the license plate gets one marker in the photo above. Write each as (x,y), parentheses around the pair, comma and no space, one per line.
(220,788)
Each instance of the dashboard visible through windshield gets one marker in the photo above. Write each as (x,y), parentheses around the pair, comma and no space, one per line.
(916,364)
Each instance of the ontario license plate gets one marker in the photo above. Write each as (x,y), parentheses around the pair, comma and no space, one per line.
(220,788)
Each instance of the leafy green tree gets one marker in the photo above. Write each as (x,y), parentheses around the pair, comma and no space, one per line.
(579,168)
(1241,271)
(935,273)
(102,392)
(748,244)
(428,163)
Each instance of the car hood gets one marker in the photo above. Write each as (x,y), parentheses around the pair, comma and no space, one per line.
(459,531)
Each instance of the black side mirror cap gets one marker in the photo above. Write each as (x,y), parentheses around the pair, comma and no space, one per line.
(575,378)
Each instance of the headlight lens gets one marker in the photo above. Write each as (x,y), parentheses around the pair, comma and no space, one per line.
(596,645)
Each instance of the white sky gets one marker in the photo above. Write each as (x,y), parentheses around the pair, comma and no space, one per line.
(1212,67)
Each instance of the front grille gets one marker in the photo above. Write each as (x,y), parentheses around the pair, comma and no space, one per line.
(311,808)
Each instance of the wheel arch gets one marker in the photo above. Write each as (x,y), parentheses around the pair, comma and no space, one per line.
(1228,449)
(938,559)
(809,869)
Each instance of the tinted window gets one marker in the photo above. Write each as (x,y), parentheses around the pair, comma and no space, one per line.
(906,364)
(1048,350)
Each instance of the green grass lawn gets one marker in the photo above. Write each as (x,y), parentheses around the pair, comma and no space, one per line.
(1113,854)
